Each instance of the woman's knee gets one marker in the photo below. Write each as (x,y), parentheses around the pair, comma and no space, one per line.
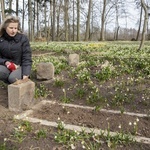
(13,79)
(14,76)
(4,73)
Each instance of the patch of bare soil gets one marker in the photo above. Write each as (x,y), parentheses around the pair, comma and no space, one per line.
(3,96)
(109,98)
(82,117)
(75,116)
(94,119)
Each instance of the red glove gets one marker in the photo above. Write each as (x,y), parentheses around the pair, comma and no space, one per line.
(11,66)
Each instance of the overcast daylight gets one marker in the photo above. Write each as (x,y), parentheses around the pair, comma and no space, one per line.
(128,13)
(74,74)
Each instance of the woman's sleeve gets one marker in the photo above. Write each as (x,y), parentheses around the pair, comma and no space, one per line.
(26,60)
(2,61)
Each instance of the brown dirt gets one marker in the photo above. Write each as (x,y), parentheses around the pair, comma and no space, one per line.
(93,118)
(76,116)
(81,117)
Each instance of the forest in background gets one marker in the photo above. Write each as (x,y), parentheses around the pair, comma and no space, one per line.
(80,20)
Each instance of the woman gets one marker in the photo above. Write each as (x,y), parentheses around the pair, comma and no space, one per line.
(15,52)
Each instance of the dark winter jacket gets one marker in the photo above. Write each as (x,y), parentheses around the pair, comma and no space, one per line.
(16,49)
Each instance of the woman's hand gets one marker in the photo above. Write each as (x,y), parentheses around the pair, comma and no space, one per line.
(25,77)
(11,66)
(7,63)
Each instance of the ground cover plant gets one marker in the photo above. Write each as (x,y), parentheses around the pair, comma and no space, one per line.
(110,75)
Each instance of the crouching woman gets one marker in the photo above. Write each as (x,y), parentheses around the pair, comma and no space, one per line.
(15,52)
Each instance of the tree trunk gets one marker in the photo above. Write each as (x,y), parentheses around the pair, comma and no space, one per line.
(66,3)
(53,25)
(78,20)
(73,21)
(87,32)
(17,7)
(3,9)
(23,14)
(66,19)
(49,22)
(30,21)
(45,29)
(103,21)
(37,19)
(145,24)
(10,5)
(51,19)
(69,30)
(58,17)
(92,25)
(117,22)
(138,33)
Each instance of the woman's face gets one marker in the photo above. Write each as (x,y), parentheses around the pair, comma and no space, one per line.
(12,29)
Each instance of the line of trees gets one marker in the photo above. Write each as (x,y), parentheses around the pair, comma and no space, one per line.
(76,20)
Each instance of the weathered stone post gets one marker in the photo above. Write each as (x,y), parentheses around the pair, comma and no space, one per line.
(45,70)
(73,60)
(21,95)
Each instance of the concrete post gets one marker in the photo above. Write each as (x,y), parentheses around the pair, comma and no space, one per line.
(21,96)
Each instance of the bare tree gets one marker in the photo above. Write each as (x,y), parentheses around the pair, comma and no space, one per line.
(117,19)
(30,21)
(10,5)
(23,15)
(66,5)
(53,23)
(139,28)
(3,9)
(45,24)
(103,21)
(38,14)
(78,20)
(59,9)
(73,20)
(145,24)
(17,7)
(92,22)
(88,21)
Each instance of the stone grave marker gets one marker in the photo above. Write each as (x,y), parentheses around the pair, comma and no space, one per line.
(73,60)
(21,95)
(45,71)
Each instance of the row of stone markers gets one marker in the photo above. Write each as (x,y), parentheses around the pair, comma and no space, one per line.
(21,93)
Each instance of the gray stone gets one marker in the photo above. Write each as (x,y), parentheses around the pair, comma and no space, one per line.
(21,96)
(107,64)
(73,60)
(45,71)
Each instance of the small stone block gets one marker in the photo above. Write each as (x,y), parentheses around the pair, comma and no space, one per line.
(73,60)
(45,71)
(21,96)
